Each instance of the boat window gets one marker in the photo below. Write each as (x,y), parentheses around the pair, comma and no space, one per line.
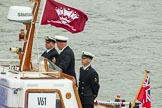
(53,66)
(50,65)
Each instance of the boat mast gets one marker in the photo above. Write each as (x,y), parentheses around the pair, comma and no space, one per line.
(25,58)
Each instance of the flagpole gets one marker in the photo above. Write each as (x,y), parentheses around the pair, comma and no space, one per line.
(38,30)
(145,75)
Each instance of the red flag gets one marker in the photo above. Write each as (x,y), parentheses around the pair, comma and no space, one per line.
(66,17)
(144,94)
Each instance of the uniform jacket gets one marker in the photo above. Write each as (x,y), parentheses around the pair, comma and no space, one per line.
(51,54)
(66,61)
(88,85)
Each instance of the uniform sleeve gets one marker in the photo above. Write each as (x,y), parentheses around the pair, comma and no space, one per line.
(54,54)
(65,62)
(95,84)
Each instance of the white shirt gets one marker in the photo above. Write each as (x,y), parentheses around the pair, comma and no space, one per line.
(63,48)
(48,50)
(86,67)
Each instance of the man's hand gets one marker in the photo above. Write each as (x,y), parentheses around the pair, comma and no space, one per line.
(54,60)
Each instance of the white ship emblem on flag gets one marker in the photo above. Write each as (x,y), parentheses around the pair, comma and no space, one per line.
(66,15)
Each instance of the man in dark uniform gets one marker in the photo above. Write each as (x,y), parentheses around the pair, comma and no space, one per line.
(51,53)
(66,59)
(88,82)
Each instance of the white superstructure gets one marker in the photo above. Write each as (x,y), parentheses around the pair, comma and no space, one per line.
(35,90)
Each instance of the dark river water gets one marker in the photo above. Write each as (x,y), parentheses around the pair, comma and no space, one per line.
(124,35)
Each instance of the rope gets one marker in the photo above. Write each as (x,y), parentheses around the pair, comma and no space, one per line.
(111,103)
(37,43)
